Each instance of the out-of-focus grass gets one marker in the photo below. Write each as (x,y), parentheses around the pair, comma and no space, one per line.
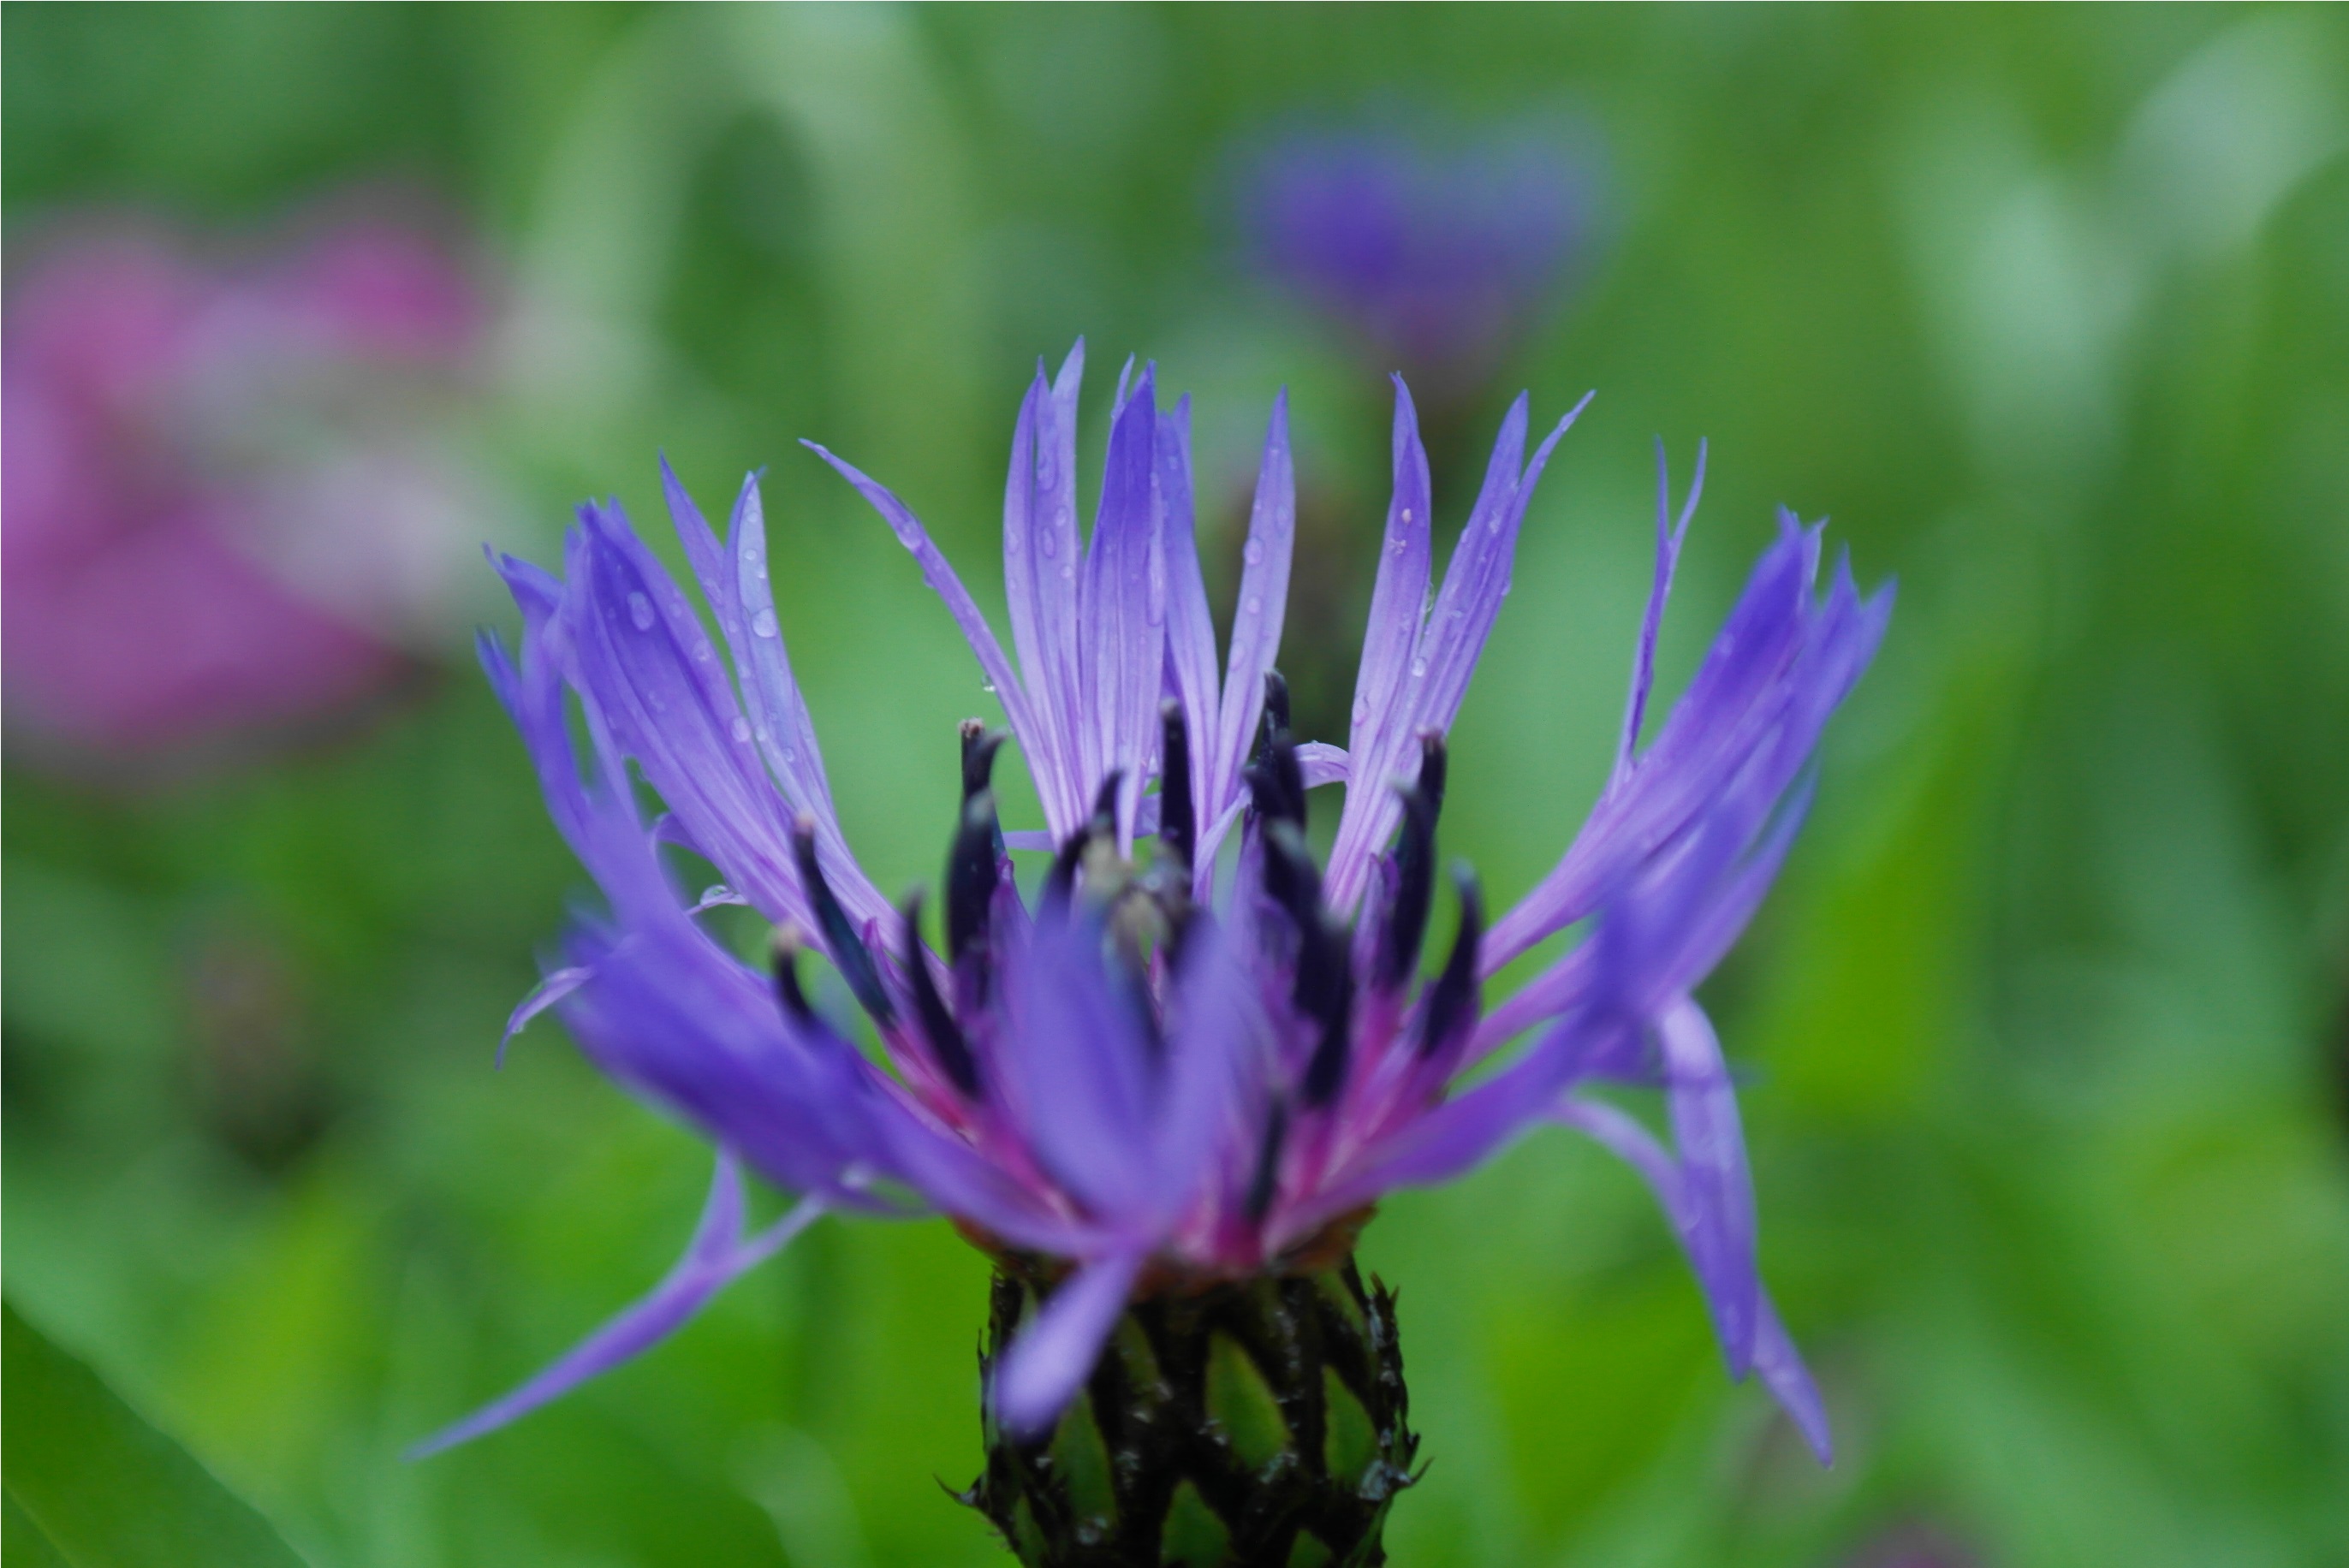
(2043,1031)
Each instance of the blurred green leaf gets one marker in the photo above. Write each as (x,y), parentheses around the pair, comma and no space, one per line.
(92,1484)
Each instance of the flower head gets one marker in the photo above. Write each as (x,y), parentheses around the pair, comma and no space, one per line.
(1203,1064)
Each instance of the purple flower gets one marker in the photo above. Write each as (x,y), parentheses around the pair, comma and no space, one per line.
(1211,1063)
(1434,259)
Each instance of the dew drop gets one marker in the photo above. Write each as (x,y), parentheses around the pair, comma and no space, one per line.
(1406,514)
(701,653)
(1361,710)
(1254,554)
(1068,570)
(1052,544)
(763,623)
(640,611)
(1418,668)
(742,727)
(1256,605)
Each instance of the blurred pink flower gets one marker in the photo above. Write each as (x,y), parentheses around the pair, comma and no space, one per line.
(232,494)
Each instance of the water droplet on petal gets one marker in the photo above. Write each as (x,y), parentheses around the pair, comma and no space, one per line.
(701,653)
(1406,514)
(1362,709)
(1254,554)
(1255,603)
(742,727)
(1051,544)
(1418,668)
(1068,570)
(640,611)
(763,623)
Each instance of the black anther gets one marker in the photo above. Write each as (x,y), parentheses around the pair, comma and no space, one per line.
(980,745)
(1274,724)
(1266,1180)
(1276,782)
(1061,880)
(1431,767)
(1406,926)
(972,869)
(1178,824)
(786,964)
(1456,998)
(1325,993)
(1290,877)
(849,953)
(948,1047)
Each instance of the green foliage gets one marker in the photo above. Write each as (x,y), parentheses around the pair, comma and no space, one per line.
(90,1484)
(2044,1033)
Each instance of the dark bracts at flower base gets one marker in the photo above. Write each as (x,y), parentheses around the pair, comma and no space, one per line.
(1163,1089)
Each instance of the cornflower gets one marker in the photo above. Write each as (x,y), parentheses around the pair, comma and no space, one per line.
(1164,1093)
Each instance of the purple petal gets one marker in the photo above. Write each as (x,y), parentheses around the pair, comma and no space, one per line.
(1784,1374)
(1710,1143)
(1399,601)
(1124,631)
(1051,1361)
(1056,571)
(1427,696)
(775,721)
(558,985)
(1040,602)
(711,1261)
(1736,738)
(1475,580)
(1668,555)
(630,632)
(1190,628)
(1774,1353)
(1077,1070)
(1322,764)
(1219,1044)
(778,712)
(1257,618)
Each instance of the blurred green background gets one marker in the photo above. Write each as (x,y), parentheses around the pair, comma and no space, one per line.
(2045,1031)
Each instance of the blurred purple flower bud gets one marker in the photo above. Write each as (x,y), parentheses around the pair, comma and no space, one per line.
(1434,259)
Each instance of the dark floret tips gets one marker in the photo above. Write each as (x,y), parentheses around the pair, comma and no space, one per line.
(1178,827)
(1414,864)
(784,957)
(841,938)
(949,1049)
(1455,997)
